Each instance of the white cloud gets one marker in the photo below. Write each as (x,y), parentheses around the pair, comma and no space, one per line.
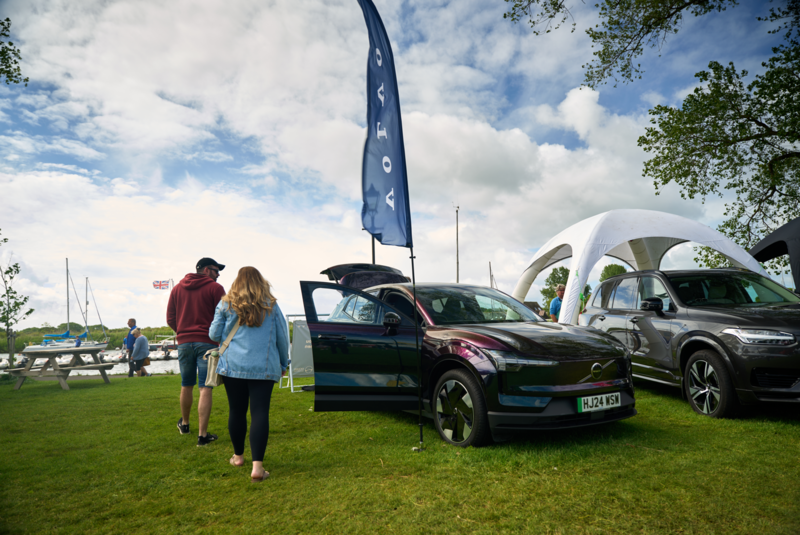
(163,95)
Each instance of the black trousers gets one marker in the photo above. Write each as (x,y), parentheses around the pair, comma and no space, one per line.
(257,393)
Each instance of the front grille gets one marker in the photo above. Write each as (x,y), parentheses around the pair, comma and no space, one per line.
(774,378)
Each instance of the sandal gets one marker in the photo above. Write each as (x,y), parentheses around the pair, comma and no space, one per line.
(233,463)
(264,476)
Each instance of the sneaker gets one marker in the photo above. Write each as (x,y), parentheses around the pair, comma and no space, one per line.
(184,429)
(208,439)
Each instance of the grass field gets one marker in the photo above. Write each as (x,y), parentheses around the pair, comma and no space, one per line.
(109,459)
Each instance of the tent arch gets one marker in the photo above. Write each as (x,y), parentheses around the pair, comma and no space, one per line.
(640,238)
(785,240)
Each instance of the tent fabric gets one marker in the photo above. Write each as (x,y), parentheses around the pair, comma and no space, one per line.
(785,240)
(639,238)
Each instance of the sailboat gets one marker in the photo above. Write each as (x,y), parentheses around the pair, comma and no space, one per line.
(65,339)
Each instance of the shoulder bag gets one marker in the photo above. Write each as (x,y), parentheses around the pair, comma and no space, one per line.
(212,356)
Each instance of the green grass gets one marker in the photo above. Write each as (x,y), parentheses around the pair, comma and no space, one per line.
(108,459)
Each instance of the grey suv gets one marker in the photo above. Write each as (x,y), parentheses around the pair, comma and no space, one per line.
(726,337)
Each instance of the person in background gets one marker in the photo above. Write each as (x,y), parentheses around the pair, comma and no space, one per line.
(141,350)
(555,304)
(189,313)
(77,341)
(255,360)
(128,345)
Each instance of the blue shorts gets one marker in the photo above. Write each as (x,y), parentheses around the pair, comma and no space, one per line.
(190,358)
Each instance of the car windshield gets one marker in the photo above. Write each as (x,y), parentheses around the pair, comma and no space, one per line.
(730,289)
(451,305)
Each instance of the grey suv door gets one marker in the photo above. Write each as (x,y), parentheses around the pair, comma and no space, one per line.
(650,333)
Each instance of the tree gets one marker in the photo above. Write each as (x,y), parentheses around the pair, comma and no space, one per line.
(12,306)
(612,270)
(728,137)
(9,57)
(626,28)
(559,275)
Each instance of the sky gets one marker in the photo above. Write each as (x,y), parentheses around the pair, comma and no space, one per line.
(153,134)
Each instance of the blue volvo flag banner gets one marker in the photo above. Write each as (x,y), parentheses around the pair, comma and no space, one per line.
(386,213)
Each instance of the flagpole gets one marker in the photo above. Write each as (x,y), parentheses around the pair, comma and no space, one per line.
(416,343)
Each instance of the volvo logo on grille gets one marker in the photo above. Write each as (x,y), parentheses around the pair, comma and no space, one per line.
(597,370)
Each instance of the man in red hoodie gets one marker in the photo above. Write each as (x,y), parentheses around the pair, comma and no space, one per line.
(190,312)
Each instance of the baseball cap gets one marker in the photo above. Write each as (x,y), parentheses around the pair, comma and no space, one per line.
(203,262)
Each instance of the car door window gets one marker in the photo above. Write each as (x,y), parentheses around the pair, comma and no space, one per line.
(625,296)
(402,304)
(344,307)
(602,295)
(652,287)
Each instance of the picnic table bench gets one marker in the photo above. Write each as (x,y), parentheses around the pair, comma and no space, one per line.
(53,368)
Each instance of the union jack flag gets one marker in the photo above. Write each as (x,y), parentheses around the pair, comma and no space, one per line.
(161,285)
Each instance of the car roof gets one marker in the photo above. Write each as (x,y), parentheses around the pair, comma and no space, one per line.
(678,272)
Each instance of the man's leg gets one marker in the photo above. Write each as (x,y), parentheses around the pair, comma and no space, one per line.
(204,409)
(187,398)
(188,366)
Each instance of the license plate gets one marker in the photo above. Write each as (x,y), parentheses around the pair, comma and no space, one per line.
(599,403)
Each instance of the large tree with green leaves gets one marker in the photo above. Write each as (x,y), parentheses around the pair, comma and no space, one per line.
(9,56)
(728,137)
(625,29)
(12,304)
(612,270)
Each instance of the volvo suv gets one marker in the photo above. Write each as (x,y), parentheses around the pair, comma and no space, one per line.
(726,337)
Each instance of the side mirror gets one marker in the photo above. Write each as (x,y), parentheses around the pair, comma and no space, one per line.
(391,320)
(652,304)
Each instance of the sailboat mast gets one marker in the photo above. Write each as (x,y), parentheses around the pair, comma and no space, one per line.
(67,294)
(86,318)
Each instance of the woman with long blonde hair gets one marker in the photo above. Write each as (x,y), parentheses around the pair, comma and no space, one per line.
(256,358)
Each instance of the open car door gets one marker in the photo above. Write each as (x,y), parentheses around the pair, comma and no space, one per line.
(357,364)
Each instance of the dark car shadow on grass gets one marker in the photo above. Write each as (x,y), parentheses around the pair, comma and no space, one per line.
(788,413)
(624,430)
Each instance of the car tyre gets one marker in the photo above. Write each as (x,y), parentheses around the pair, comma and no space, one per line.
(460,412)
(708,386)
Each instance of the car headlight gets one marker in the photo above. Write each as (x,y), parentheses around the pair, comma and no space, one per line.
(506,361)
(762,337)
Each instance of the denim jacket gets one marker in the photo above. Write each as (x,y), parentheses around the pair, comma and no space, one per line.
(254,352)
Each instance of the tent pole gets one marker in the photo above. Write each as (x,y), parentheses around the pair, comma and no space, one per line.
(416,343)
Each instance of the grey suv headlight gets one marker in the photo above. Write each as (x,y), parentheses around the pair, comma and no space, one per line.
(762,337)
(506,361)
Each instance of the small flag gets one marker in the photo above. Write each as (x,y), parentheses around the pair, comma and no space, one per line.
(161,285)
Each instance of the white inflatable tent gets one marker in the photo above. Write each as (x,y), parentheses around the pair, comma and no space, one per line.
(640,238)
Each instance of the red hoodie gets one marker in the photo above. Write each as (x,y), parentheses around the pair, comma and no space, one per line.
(191,307)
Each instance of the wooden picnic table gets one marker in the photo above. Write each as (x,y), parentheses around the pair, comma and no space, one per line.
(53,368)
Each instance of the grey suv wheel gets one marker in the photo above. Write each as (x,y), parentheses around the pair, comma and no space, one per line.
(708,385)
(460,413)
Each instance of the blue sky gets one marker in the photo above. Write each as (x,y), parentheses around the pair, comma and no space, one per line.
(152,135)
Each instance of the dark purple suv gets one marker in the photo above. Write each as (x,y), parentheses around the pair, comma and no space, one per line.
(490,367)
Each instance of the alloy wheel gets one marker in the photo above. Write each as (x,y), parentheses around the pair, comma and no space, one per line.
(455,411)
(704,386)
